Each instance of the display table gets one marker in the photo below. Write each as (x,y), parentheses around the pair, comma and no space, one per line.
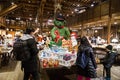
(56,65)
(58,73)
(50,59)
(5,55)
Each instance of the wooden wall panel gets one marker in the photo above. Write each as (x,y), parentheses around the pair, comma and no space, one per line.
(104,9)
(97,11)
(84,16)
(80,18)
(115,6)
(90,14)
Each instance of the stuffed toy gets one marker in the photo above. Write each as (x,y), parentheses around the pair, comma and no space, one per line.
(59,31)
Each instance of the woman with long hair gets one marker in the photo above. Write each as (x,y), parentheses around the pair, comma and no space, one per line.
(89,70)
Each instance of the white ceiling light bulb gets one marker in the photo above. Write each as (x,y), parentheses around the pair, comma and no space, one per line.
(92,5)
(115,22)
(67,15)
(36,20)
(11,29)
(78,5)
(7,20)
(30,18)
(18,18)
(12,3)
(75,10)
(29,1)
(96,31)
(7,29)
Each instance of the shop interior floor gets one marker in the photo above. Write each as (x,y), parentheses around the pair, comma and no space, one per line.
(55,74)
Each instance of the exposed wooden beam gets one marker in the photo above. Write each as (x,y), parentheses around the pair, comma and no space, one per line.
(2,25)
(30,5)
(10,9)
(52,9)
(18,27)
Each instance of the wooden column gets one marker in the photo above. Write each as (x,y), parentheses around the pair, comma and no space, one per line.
(82,32)
(40,14)
(109,23)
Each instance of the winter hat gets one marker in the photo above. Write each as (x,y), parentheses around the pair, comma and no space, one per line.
(109,47)
(29,30)
(60,17)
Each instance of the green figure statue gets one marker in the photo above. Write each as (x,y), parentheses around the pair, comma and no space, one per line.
(59,31)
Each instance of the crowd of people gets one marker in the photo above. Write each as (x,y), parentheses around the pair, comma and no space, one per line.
(30,67)
(85,62)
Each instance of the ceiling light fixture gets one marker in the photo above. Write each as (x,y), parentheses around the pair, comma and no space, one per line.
(7,20)
(12,3)
(29,1)
(96,31)
(115,22)
(75,10)
(80,25)
(18,18)
(67,15)
(81,11)
(73,4)
(36,20)
(78,5)
(92,5)
(7,29)
(30,19)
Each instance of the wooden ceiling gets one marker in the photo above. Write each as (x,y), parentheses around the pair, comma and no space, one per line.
(42,9)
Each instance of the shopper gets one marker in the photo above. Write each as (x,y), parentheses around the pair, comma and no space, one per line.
(89,71)
(108,61)
(31,66)
(17,37)
(1,39)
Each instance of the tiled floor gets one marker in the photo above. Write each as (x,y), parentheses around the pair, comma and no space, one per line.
(17,74)
(115,72)
(14,74)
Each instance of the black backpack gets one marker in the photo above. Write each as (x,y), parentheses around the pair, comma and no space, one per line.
(21,50)
(82,60)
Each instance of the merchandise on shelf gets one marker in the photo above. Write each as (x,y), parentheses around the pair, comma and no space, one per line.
(49,63)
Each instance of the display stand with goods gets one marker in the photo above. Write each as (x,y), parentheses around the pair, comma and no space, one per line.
(60,51)
(56,56)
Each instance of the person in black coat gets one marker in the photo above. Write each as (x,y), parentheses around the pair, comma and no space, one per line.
(31,66)
(89,71)
(108,61)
